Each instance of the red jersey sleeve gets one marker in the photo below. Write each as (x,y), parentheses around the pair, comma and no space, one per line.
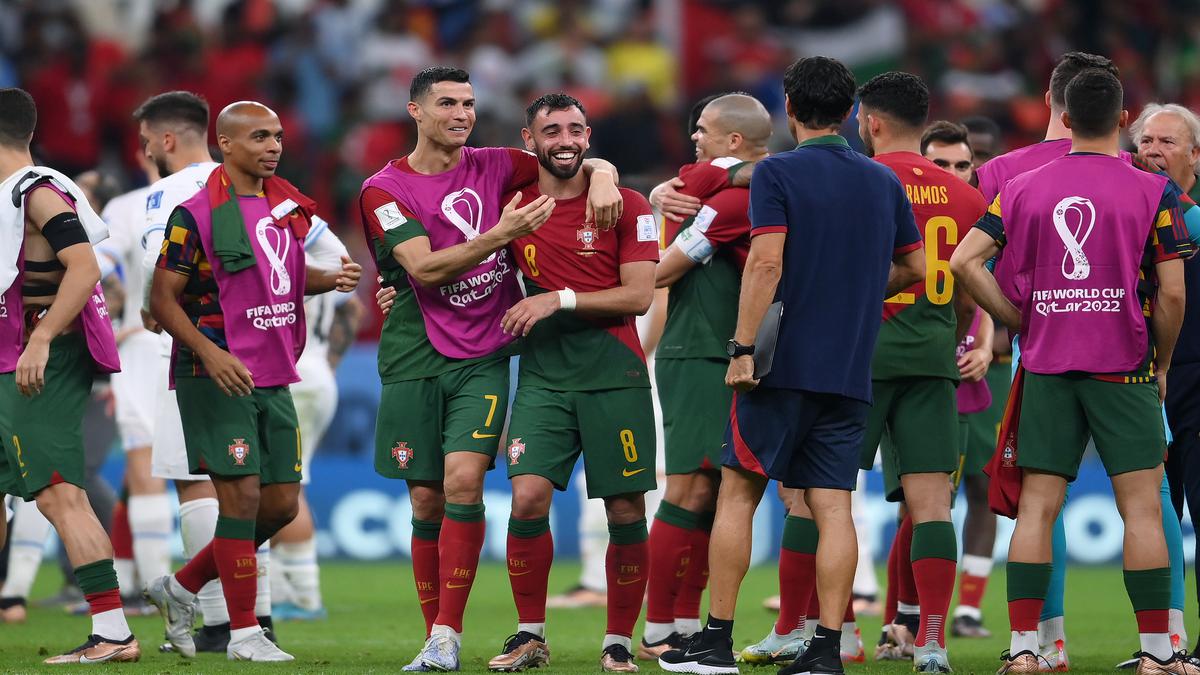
(637,230)
(704,179)
(524,170)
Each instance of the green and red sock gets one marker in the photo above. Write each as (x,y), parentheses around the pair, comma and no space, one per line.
(530,554)
(459,545)
(934,565)
(424,549)
(797,573)
(626,569)
(670,548)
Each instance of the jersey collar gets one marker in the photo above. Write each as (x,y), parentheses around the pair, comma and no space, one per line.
(828,139)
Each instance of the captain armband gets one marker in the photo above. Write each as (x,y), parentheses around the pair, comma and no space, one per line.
(695,246)
(64,230)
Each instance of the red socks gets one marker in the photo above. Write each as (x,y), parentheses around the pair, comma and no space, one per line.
(934,565)
(797,589)
(458,559)
(200,570)
(670,558)
(530,554)
(626,569)
(425,567)
(970,590)
(233,551)
(121,536)
(687,601)
(906,585)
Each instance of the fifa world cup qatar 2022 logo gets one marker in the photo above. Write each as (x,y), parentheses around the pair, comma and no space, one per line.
(275,245)
(1074,218)
(464,209)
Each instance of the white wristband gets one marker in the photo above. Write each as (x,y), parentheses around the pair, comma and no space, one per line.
(566,299)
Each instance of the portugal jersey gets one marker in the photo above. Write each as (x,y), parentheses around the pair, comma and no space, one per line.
(567,351)
(918,336)
(703,303)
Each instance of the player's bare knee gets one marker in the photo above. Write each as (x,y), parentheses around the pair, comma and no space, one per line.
(531,497)
(55,501)
(463,483)
(626,508)
(428,503)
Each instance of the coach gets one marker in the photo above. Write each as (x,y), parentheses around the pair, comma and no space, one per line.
(832,236)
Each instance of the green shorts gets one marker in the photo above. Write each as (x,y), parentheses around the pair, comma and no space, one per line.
(420,421)
(230,436)
(918,417)
(42,437)
(1058,412)
(984,426)
(695,407)
(613,428)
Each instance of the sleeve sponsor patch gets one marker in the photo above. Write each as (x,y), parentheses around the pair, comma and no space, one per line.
(389,216)
(703,219)
(647,228)
(695,245)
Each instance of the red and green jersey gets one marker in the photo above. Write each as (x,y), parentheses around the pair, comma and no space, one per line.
(918,338)
(567,351)
(181,253)
(405,352)
(703,304)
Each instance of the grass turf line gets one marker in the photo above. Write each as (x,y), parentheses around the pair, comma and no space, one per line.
(375,626)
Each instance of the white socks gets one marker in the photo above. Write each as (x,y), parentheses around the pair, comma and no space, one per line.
(197,524)
(295,575)
(111,624)
(686,627)
(657,632)
(238,634)
(1050,631)
(27,541)
(1157,645)
(1023,641)
(1177,626)
(150,522)
(617,640)
(538,629)
(262,600)
(976,565)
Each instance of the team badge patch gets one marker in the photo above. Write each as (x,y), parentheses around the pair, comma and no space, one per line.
(239,451)
(402,454)
(515,450)
(647,228)
(1008,457)
(587,236)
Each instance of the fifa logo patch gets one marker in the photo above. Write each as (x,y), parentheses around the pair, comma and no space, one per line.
(587,236)
(515,450)
(402,454)
(239,451)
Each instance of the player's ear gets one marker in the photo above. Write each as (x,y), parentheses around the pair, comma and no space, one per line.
(1124,120)
(1066,119)
(414,111)
(527,136)
(168,141)
(1046,98)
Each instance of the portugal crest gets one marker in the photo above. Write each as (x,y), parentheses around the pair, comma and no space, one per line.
(1008,457)
(587,235)
(402,454)
(515,450)
(239,451)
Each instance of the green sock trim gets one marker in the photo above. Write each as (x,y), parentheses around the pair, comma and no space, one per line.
(96,577)
(1027,580)
(934,539)
(705,521)
(528,529)
(677,516)
(465,513)
(428,530)
(234,528)
(629,533)
(1149,589)
(800,534)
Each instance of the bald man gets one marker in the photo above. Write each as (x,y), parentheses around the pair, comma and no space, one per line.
(229,287)
(703,269)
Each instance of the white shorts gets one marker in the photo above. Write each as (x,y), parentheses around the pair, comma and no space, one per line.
(135,389)
(169,456)
(315,398)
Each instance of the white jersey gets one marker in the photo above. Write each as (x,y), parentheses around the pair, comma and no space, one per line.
(166,194)
(122,252)
(322,249)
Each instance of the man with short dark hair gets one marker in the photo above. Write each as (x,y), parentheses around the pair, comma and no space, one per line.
(440,231)
(803,423)
(985,138)
(55,336)
(948,145)
(1072,384)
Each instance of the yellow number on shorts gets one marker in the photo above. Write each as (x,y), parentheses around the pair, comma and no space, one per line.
(628,446)
(937,269)
(531,258)
(491,411)
(17,445)
(939,283)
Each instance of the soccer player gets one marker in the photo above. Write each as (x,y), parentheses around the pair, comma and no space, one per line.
(702,269)
(173,127)
(948,145)
(332,320)
(1125,284)
(803,423)
(985,139)
(55,335)
(582,386)
(439,231)
(229,288)
(914,371)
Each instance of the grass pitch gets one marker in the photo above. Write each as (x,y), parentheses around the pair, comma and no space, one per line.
(375,626)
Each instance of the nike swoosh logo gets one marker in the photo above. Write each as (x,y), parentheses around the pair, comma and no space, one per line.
(626,582)
(298,468)
(108,657)
(680,574)
(450,585)
(627,473)
(246,575)
(519,574)
(426,601)
(476,434)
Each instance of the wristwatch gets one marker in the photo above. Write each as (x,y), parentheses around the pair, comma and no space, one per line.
(735,349)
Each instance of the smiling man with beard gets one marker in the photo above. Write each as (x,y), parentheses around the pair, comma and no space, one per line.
(583,386)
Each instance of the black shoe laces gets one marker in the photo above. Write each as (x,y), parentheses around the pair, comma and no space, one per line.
(619,653)
(517,639)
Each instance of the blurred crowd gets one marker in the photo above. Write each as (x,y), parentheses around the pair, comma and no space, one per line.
(337,71)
